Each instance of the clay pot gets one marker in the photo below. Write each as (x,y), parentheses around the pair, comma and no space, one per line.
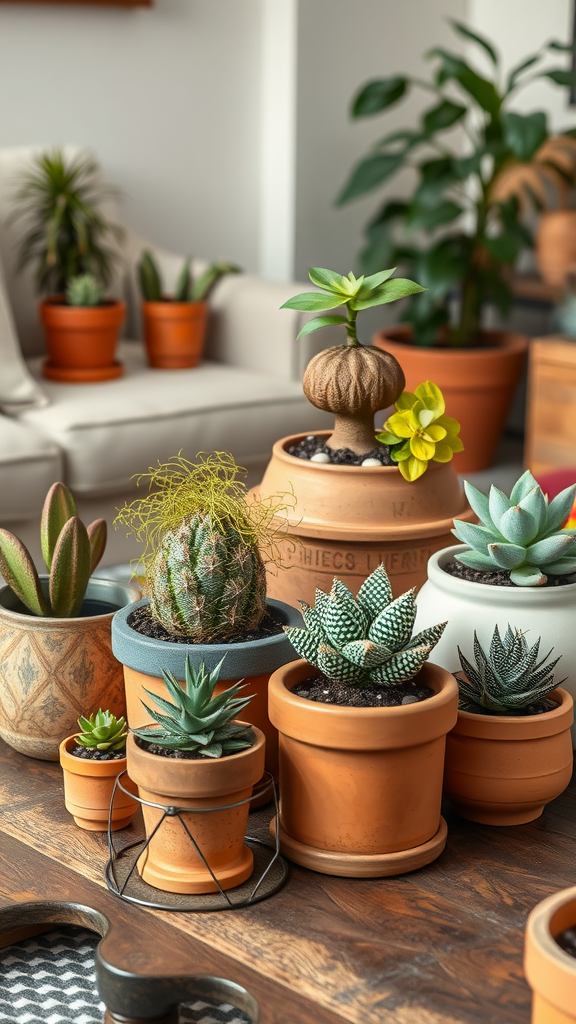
(52,670)
(174,333)
(478,385)
(550,972)
(503,770)
(547,612)
(171,862)
(360,788)
(556,246)
(144,659)
(88,789)
(349,519)
(81,340)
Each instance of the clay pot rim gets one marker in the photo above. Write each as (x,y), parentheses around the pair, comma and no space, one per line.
(549,970)
(444,581)
(93,769)
(167,303)
(280,449)
(511,727)
(508,343)
(59,300)
(94,583)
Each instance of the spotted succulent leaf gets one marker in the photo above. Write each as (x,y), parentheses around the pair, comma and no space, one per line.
(508,678)
(305,642)
(342,618)
(401,667)
(376,592)
(335,666)
(366,653)
(428,637)
(395,621)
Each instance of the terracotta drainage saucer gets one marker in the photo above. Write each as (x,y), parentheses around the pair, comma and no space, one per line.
(359,865)
(82,375)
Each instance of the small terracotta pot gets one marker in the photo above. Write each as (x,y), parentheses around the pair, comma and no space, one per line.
(478,384)
(550,972)
(88,789)
(349,519)
(360,788)
(81,340)
(171,862)
(556,246)
(503,770)
(174,333)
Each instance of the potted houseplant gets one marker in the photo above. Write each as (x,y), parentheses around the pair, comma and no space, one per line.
(68,237)
(175,326)
(510,752)
(206,587)
(354,507)
(55,647)
(91,760)
(462,227)
(362,720)
(549,958)
(516,566)
(200,758)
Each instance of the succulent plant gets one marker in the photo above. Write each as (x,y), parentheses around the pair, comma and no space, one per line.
(367,640)
(419,432)
(84,290)
(71,553)
(102,731)
(187,289)
(509,678)
(521,534)
(197,721)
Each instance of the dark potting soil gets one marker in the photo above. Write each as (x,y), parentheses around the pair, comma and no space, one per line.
(496,578)
(326,691)
(142,621)
(541,708)
(567,941)
(177,755)
(98,755)
(312,445)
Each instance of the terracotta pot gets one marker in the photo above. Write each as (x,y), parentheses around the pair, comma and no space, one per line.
(550,972)
(52,670)
(360,788)
(81,340)
(88,789)
(349,519)
(503,770)
(171,862)
(556,246)
(547,612)
(478,385)
(174,333)
(144,659)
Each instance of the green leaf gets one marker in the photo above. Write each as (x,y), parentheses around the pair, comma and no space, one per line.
(397,288)
(428,217)
(70,570)
(20,573)
(59,507)
(507,556)
(374,281)
(97,535)
(483,91)
(182,289)
(320,321)
(555,44)
(504,248)
(409,138)
(378,95)
(371,172)
(560,77)
(466,33)
(527,576)
(517,71)
(329,280)
(524,133)
(310,301)
(442,116)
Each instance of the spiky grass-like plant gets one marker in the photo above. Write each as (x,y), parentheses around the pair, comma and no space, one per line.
(202,537)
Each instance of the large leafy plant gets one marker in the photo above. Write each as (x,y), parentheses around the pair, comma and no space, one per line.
(463,224)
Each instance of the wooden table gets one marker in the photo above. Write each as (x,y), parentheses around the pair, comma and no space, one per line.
(439,946)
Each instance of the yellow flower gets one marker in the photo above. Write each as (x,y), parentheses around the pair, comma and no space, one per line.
(419,432)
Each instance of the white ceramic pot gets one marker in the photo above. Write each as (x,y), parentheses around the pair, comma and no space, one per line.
(548,612)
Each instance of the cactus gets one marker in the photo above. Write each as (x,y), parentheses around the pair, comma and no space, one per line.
(198,722)
(367,640)
(84,290)
(508,679)
(521,534)
(186,290)
(71,553)
(102,731)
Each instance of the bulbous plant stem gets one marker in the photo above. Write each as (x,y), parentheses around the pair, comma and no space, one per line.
(355,432)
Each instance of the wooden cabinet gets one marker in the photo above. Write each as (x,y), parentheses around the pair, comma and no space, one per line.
(551,407)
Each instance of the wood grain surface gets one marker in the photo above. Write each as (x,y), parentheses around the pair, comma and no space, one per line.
(440,946)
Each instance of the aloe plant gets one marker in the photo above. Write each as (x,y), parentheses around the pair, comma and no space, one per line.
(71,553)
(187,288)
(102,731)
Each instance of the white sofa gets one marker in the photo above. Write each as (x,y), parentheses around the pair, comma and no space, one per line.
(95,437)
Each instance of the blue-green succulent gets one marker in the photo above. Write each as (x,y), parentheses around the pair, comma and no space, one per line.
(521,534)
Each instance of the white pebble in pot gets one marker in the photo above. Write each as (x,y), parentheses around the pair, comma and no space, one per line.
(320,457)
(371,462)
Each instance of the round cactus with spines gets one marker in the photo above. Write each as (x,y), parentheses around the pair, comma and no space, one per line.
(84,290)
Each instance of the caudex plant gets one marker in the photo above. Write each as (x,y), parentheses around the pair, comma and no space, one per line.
(102,731)
(419,432)
(509,679)
(197,722)
(70,550)
(205,575)
(188,289)
(353,381)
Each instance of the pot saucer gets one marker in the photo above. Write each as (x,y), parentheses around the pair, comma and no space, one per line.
(350,865)
(82,375)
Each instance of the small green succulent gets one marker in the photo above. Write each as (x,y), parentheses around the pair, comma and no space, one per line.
(84,290)
(509,678)
(102,731)
(197,721)
(188,289)
(367,640)
(521,534)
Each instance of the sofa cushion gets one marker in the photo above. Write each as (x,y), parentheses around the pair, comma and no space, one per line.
(29,465)
(110,431)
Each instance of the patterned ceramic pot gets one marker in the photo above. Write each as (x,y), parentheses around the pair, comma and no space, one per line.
(52,670)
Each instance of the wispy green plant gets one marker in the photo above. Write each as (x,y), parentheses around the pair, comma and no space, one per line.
(187,288)
(509,678)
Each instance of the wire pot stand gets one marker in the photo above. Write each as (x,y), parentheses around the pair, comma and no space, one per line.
(269,874)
